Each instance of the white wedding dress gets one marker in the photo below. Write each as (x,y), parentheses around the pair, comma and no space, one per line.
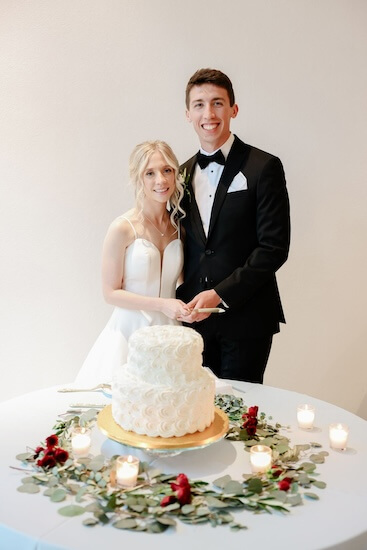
(146,272)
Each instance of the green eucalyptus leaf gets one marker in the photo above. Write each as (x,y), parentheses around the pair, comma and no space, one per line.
(268,441)
(282,448)
(255,485)
(97,463)
(319,484)
(187,509)
(90,522)
(303,479)
(281,496)
(80,494)
(29,479)
(250,442)
(93,507)
(221,482)
(130,500)
(155,473)
(127,523)
(312,496)
(202,511)
(23,457)
(137,507)
(102,518)
(304,447)
(237,527)
(53,481)
(166,521)
(193,520)
(213,502)
(58,495)
(294,500)
(71,510)
(156,527)
(233,487)
(30,488)
(317,458)
(307,467)
(171,507)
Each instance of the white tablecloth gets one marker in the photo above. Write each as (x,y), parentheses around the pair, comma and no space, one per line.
(338,520)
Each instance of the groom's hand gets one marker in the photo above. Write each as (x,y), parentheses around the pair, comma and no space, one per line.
(207,298)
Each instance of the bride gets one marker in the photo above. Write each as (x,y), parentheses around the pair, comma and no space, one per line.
(142,260)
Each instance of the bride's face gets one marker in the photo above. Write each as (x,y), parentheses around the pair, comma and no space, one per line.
(158,179)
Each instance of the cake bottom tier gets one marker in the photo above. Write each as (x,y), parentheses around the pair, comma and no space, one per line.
(158,410)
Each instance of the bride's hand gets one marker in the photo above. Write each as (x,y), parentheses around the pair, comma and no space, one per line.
(174,309)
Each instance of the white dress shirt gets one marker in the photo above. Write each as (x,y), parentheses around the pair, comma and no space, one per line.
(205,183)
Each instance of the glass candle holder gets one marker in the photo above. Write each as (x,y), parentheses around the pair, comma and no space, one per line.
(260,458)
(338,435)
(127,469)
(81,442)
(305,416)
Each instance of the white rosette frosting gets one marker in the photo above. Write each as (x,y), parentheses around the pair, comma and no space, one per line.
(163,390)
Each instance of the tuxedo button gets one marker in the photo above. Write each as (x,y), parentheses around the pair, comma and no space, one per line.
(209,252)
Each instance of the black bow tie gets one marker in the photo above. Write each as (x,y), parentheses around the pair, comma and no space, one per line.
(204,160)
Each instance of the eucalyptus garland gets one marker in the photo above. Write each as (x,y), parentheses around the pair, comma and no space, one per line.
(87,486)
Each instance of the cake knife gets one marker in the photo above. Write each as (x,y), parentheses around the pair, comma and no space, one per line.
(209,310)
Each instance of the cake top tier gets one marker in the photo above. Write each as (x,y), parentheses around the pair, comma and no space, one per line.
(167,339)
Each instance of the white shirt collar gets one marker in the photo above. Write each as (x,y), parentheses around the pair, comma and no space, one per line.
(226,147)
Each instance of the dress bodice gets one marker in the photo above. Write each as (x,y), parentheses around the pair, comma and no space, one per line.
(149,272)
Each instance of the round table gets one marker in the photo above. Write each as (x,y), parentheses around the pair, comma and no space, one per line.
(336,521)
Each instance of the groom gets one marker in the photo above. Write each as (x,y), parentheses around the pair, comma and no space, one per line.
(237,235)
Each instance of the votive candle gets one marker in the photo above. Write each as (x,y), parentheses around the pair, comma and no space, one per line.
(127,469)
(305,416)
(260,458)
(80,442)
(338,434)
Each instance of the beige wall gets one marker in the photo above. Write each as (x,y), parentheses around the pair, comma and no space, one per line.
(84,80)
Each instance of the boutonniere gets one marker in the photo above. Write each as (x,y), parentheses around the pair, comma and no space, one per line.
(184,180)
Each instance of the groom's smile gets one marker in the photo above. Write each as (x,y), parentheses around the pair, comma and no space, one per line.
(210,112)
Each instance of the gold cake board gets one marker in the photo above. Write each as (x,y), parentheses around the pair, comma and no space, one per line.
(213,433)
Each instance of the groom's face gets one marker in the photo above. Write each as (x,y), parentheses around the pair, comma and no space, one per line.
(210,112)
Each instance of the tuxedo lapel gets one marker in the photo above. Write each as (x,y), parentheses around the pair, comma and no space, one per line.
(232,167)
(191,207)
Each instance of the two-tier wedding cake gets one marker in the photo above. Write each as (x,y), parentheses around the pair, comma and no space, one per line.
(163,390)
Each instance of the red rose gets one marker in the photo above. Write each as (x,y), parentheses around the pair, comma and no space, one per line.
(169,499)
(61,455)
(182,488)
(48,461)
(285,484)
(250,420)
(276,471)
(184,494)
(250,425)
(252,411)
(52,441)
(37,452)
(182,479)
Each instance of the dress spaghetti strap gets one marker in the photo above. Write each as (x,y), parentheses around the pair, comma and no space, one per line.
(132,226)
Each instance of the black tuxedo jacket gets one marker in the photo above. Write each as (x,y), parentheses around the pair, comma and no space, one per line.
(247,242)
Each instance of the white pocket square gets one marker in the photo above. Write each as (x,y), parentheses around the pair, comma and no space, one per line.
(239,183)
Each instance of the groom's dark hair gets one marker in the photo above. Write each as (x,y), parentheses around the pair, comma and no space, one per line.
(210,76)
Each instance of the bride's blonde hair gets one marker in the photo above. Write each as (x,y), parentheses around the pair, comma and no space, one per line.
(139,159)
